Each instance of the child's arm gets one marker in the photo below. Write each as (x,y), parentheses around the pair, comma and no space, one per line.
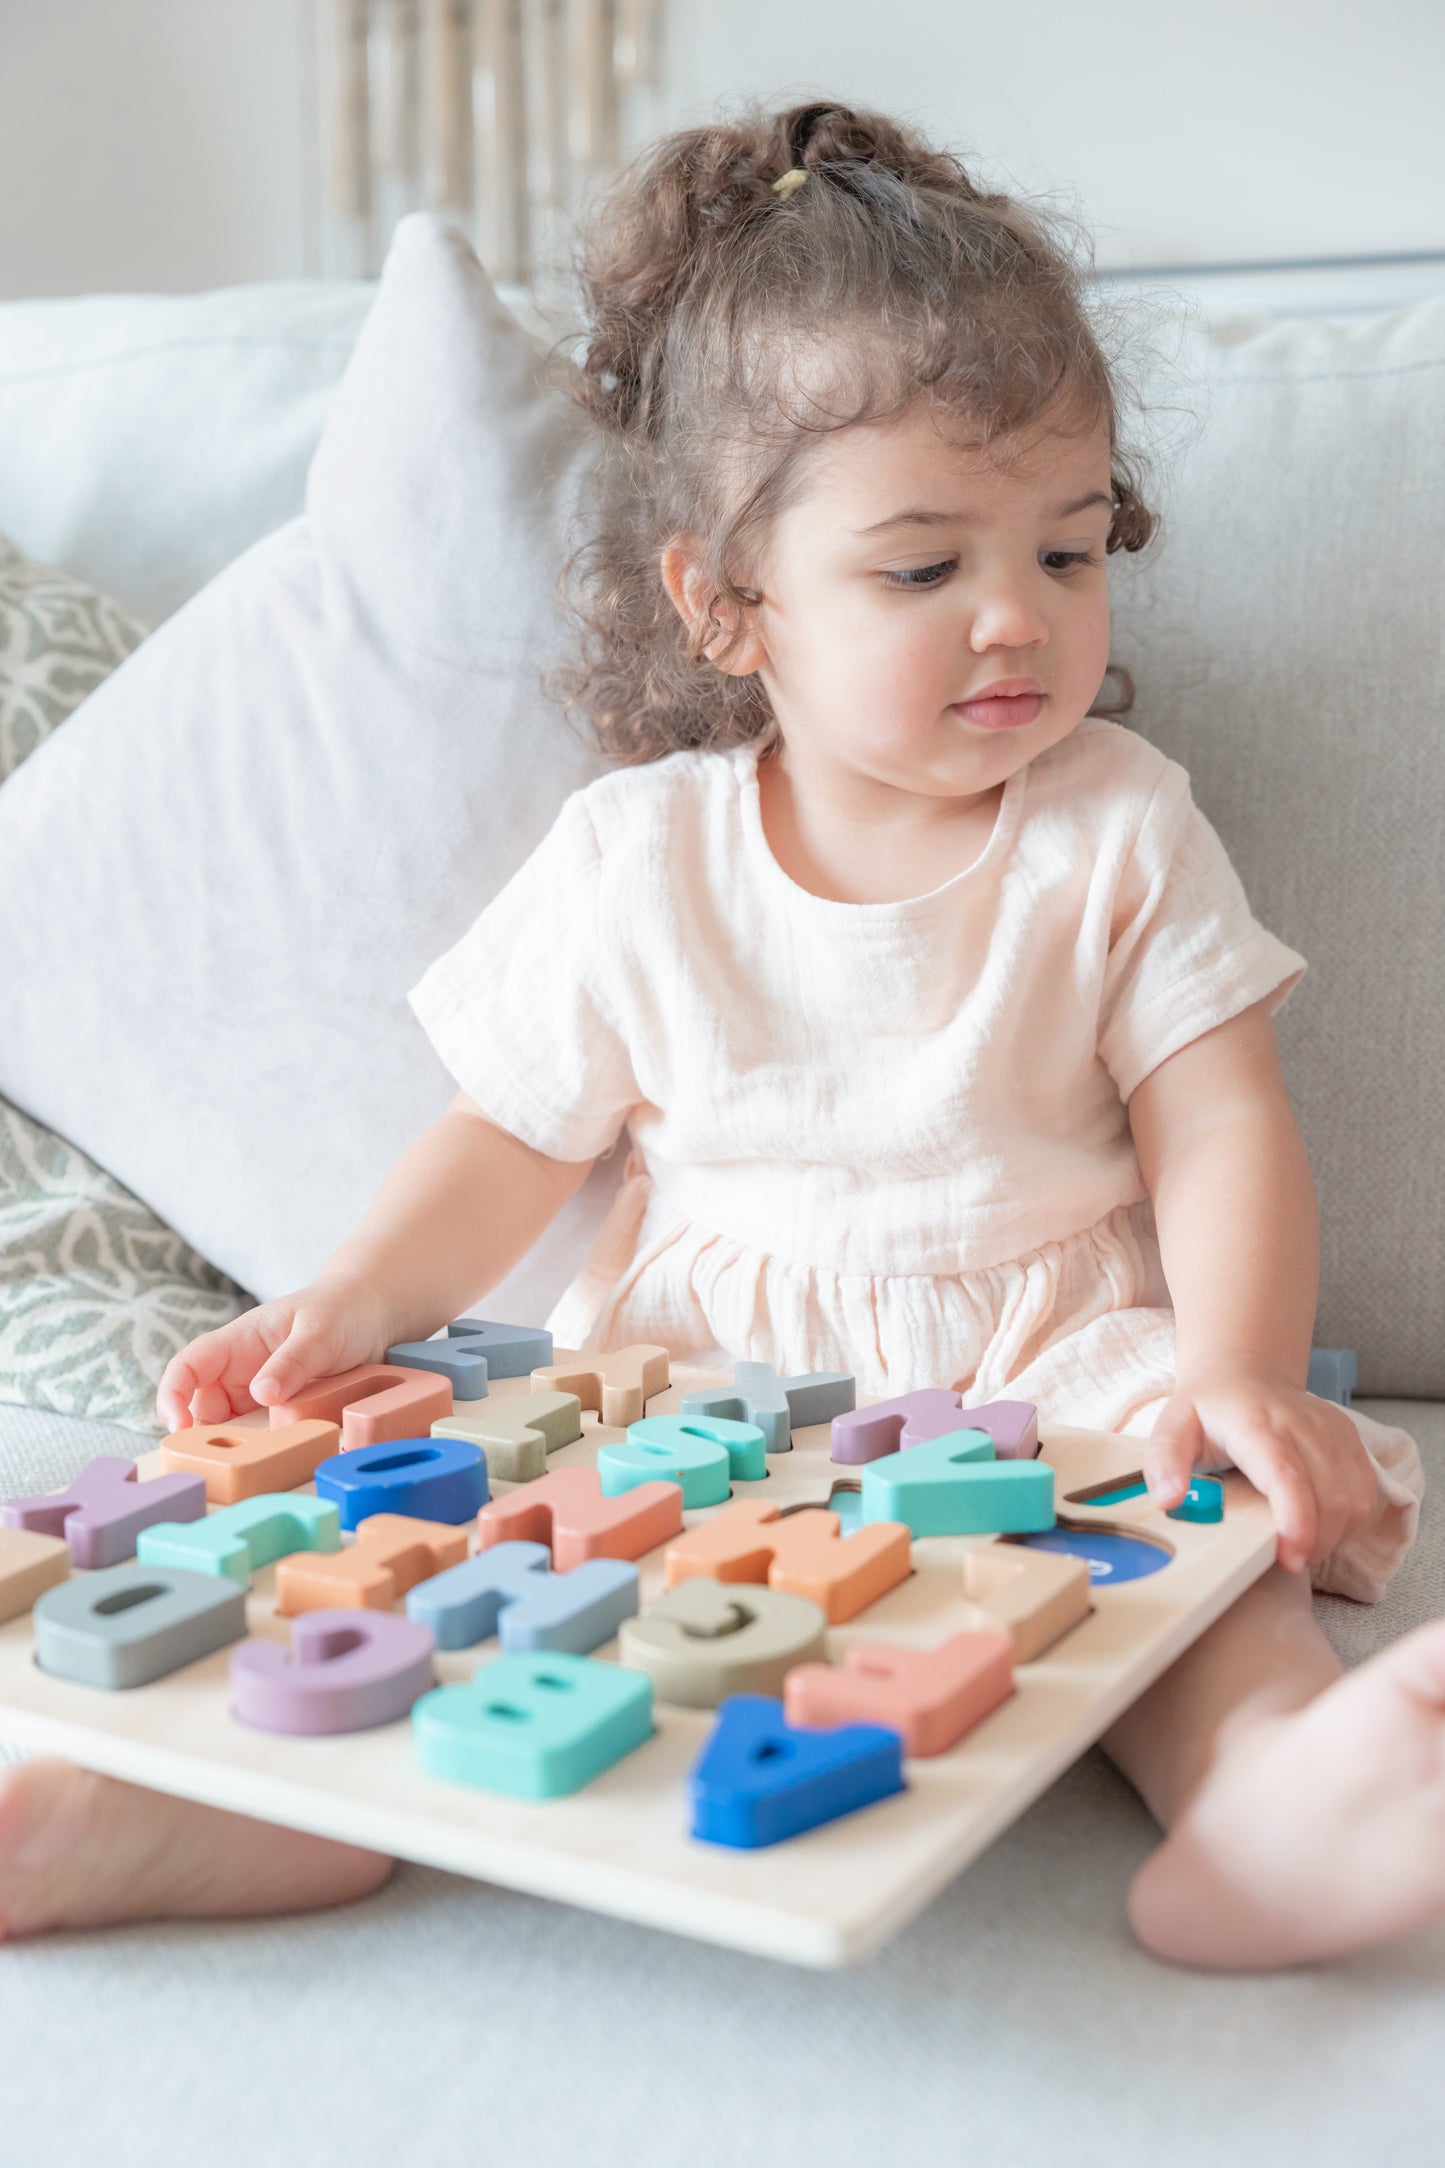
(1238,1222)
(461,1206)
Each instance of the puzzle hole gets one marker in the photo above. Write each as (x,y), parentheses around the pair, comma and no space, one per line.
(1102,1490)
(401,1460)
(504,1709)
(125,1599)
(738,1617)
(771,1750)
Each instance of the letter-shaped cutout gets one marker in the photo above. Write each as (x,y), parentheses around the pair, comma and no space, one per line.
(428,1479)
(474,1351)
(105,1508)
(126,1625)
(1035,1596)
(931,1696)
(29,1564)
(891,1426)
(802,1554)
(390,1555)
(618,1385)
(238,1539)
(567,1510)
(372,1403)
(778,1406)
(953,1486)
(240,1460)
(758,1780)
(517,1435)
(703,1453)
(509,1591)
(701,1642)
(344,1671)
(533,1726)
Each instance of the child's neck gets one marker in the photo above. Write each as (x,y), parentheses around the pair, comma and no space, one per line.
(870,844)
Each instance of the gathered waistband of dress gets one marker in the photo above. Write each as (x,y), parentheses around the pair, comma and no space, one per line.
(666,1205)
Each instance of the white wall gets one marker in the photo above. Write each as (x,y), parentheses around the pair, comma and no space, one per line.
(166,143)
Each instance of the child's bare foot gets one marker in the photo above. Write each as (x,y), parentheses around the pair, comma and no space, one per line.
(81,1850)
(1322,1831)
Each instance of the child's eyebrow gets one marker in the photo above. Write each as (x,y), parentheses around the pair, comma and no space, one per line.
(922,516)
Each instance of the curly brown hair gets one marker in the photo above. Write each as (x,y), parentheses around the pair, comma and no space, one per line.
(710,298)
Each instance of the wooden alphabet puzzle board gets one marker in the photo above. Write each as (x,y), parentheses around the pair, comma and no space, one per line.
(621,1843)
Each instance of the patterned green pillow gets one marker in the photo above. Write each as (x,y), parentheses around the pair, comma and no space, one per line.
(58,639)
(96,1293)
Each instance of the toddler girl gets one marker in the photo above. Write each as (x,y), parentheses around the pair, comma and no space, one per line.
(933,1008)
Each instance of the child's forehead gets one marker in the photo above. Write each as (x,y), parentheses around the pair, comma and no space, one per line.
(920,456)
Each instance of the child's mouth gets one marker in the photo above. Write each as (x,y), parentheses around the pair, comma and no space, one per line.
(1002,714)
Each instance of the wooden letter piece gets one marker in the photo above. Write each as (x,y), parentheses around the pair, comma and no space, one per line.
(29,1564)
(618,1385)
(517,1435)
(236,1460)
(391,1554)
(1033,1595)
(802,1554)
(372,1403)
(701,1642)
(932,1696)
(566,1510)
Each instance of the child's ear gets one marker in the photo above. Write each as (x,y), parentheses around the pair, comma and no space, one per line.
(698,605)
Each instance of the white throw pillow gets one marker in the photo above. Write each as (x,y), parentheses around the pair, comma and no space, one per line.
(219,880)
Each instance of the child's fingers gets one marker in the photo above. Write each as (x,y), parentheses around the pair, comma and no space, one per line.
(313,1348)
(202,1363)
(1175,1443)
(1276,1470)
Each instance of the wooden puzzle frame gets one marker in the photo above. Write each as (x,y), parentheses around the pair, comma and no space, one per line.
(621,1844)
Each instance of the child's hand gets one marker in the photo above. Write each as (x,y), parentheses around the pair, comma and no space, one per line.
(1304,1453)
(272,1352)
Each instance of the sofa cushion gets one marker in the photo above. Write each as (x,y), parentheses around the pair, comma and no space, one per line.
(225,872)
(1288,642)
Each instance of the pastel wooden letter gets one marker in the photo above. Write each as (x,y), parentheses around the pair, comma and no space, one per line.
(702,1453)
(372,1403)
(516,1435)
(390,1555)
(618,1385)
(238,1460)
(954,1486)
(126,1625)
(344,1671)
(238,1539)
(931,1696)
(430,1479)
(1032,1595)
(29,1564)
(890,1426)
(534,1726)
(701,1642)
(800,1553)
(106,1507)
(566,1510)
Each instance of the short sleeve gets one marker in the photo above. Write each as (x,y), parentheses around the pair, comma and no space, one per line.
(1186,952)
(520,1009)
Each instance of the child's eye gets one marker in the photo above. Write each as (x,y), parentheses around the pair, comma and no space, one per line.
(1063,561)
(918,575)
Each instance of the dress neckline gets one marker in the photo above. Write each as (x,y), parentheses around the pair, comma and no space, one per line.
(1005,826)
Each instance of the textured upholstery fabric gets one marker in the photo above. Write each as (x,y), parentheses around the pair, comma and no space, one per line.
(1288,643)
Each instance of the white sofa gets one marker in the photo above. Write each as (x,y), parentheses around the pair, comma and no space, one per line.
(144,442)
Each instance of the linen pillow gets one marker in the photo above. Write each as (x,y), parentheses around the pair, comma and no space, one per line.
(220,879)
(1288,644)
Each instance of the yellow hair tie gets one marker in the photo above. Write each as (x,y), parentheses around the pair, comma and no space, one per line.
(788,183)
